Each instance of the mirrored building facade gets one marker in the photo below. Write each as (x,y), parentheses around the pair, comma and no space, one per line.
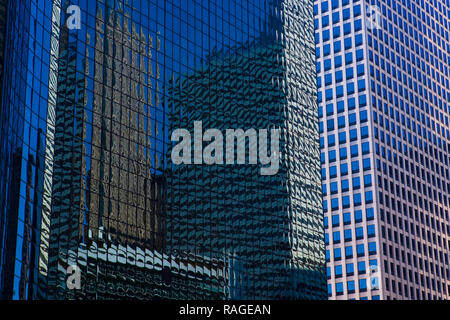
(87,182)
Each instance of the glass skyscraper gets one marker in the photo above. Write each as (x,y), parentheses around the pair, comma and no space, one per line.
(383,92)
(91,93)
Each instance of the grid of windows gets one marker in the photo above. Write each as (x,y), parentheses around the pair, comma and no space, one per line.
(87,118)
(383,98)
(409,80)
(347,165)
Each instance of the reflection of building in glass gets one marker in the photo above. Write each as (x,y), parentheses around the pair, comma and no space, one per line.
(123,272)
(86,116)
(107,193)
(268,224)
(125,197)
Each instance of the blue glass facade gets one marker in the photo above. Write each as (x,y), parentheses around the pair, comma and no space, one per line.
(383,81)
(87,180)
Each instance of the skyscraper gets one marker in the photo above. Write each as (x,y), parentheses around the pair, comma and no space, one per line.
(383,93)
(92,91)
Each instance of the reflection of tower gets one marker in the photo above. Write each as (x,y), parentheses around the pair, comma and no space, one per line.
(107,178)
(269,226)
(126,194)
(67,193)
